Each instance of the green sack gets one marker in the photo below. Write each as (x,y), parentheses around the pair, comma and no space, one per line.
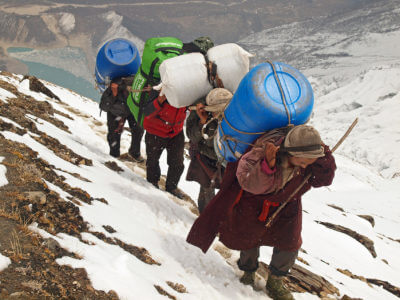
(155,51)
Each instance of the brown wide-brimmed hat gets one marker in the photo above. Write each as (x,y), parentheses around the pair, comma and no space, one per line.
(303,141)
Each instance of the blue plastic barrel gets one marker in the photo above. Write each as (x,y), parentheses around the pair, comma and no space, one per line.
(116,58)
(257,106)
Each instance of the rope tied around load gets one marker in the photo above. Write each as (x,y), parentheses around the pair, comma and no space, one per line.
(235,141)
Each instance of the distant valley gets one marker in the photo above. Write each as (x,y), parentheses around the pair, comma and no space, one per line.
(265,27)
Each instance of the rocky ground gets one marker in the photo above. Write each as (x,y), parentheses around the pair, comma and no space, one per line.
(26,199)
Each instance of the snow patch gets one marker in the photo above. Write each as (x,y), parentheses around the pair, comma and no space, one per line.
(4,262)
(67,22)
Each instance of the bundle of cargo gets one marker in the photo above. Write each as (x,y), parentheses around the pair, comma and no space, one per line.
(156,51)
(271,95)
(186,78)
(116,58)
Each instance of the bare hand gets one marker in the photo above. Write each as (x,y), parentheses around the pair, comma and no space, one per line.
(203,115)
(161,99)
(270,154)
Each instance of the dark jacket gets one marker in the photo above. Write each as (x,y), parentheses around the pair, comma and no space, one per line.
(203,163)
(116,105)
(193,132)
(163,120)
(235,214)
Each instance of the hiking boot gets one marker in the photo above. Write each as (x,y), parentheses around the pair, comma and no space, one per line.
(155,184)
(276,288)
(137,158)
(248,278)
(114,153)
(177,193)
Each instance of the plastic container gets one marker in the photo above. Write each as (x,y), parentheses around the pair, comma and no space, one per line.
(116,58)
(257,106)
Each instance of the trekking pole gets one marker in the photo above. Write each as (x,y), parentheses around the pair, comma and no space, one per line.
(271,219)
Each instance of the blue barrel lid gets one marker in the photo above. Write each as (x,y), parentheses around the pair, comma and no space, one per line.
(292,90)
(120,51)
(116,58)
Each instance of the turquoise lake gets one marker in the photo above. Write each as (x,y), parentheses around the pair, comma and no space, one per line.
(59,76)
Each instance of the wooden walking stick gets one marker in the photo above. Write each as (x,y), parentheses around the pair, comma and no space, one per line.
(271,219)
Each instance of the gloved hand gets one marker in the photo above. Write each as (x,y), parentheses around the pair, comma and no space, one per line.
(120,127)
(270,154)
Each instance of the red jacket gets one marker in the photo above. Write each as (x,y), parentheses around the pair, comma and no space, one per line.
(164,120)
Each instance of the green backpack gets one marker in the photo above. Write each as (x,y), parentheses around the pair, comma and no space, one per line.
(156,50)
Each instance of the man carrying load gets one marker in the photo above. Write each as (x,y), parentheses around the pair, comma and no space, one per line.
(253,188)
(164,123)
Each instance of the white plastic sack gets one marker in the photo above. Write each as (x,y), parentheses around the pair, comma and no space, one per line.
(184,79)
(232,63)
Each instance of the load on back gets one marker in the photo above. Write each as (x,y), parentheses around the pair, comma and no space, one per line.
(185,78)
(271,95)
(116,58)
(156,50)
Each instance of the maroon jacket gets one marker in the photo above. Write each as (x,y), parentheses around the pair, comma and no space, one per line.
(239,225)
(164,120)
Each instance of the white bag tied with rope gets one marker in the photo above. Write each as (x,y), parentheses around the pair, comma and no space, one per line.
(232,63)
(184,79)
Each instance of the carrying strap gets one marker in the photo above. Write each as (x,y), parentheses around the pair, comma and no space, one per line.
(141,105)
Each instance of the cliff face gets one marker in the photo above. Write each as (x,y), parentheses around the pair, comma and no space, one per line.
(25,30)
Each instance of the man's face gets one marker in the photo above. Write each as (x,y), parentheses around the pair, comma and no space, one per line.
(301,162)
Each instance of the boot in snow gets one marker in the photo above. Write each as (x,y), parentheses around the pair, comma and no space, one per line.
(276,288)
(248,278)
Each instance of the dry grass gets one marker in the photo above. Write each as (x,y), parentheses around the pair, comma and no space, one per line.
(15,247)
(14,214)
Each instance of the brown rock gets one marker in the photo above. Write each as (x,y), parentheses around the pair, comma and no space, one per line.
(36,196)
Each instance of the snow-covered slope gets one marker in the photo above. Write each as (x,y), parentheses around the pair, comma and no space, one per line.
(350,229)
(149,218)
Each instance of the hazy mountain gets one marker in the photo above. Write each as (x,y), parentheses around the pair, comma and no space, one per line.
(87,24)
(336,47)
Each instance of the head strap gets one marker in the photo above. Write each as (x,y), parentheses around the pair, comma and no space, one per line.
(300,148)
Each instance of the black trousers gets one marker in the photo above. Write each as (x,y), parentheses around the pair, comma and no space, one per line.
(114,138)
(155,145)
(281,261)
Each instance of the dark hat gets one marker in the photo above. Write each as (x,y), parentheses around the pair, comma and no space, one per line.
(304,141)
(204,43)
